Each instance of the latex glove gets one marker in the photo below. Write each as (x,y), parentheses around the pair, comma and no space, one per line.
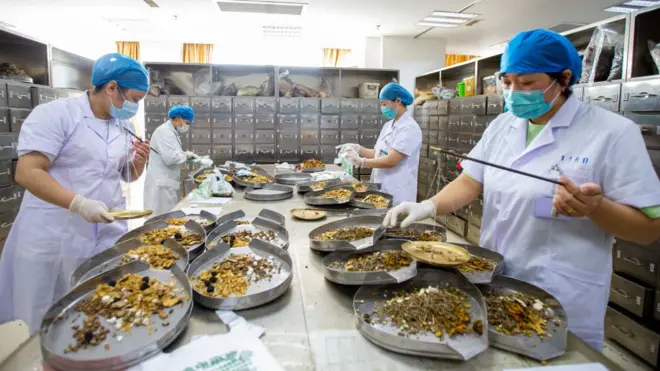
(190,155)
(353,158)
(348,146)
(415,212)
(91,210)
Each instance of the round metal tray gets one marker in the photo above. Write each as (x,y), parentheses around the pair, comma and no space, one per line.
(56,332)
(344,277)
(258,293)
(313,198)
(269,192)
(199,172)
(365,205)
(255,169)
(420,227)
(267,214)
(313,170)
(370,186)
(530,346)
(307,186)
(481,277)
(192,226)
(459,347)
(111,258)
(257,225)
(202,216)
(372,221)
(292,178)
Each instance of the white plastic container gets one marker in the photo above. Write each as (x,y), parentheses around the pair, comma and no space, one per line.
(369,90)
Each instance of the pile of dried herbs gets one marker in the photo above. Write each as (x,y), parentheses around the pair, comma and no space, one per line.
(438,311)
(415,235)
(360,187)
(91,334)
(181,236)
(232,276)
(378,201)
(346,234)
(243,238)
(182,221)
(375,262)
(518,313)
(157,256)
(478,264)
(340,194)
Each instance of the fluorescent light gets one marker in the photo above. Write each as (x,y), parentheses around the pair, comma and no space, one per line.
(445,25)
(454,15)
(444,20)
(256,2)
(620,9)
(640,3)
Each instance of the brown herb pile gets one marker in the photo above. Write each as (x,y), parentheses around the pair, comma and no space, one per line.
(243,238)
(360,187)
(257,179)
(340,194)
(91,334)
(415,235)
(158,236)
(438,311)
(232,276)
(518,313)
(157,256)
(310,164)
(375,262)
(378,201)
(317,186)
(346,234)
(183,221)
(477,264)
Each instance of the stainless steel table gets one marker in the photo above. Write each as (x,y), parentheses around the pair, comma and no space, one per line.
(312,326)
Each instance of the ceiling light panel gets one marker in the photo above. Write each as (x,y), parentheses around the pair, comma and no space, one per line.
(443,25)
(640,3)
(454,15)
(620,9)
(445,20)
(263,7)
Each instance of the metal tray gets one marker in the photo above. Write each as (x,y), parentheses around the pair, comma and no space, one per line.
(372,221)
(313,170)
(257,225)
(365,205)
(269,192)
(255,169)
(420,227)
(292,178)
(199,172)
(370,186)
(25,79)
(111,258)
(459,347)
(258,293)
(307,187)
(312,198)
(267,214)
(344,277)
(202,216)
(483,276)
(530,346)
(56,333)
(192,226)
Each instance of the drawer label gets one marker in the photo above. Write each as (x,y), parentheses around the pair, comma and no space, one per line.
(653,348)
(652,267)
(618,254)
(638,301)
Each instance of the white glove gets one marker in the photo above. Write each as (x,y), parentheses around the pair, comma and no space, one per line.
(352,157)
(415,212)
(348,146)
(91,210)
(190,155)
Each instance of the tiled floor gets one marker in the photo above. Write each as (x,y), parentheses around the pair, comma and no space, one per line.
(623,358)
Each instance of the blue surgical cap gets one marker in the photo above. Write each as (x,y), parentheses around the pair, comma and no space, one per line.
(392,91)
(184,112)
(126,71)
(541,51)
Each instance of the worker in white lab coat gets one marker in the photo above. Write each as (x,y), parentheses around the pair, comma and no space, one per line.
(162,185)
(395,158)
(609,187)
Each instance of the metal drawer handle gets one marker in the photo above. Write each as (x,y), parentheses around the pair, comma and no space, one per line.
(621,292)
(18,96)
(643,95)
(5,199)
(625,332)
(633,261)
(6,225)
(6,172)
(45,97)
(13,146)
(602,99)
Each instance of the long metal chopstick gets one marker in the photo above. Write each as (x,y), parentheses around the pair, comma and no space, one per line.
(452,153)
(140,139)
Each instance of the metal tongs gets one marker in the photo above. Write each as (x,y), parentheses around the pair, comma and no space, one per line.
(140,139)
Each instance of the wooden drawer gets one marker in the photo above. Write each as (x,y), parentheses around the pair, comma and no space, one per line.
(632,336)
(637,262)
(635,298)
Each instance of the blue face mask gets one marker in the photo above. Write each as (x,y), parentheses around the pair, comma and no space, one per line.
(528,104)
(126,112)
(388,112)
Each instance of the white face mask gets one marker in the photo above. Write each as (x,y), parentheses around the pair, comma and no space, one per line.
(184,129)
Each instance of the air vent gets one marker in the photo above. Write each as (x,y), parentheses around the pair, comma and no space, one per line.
(151,3)
(563,27)
(263,7)
(282,31)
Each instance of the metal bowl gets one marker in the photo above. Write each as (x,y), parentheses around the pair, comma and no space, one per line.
(420,227)
(202,216)
(292,178)
(365,205)
(307,186)
(314,199)
(191,226)
(257,225)
(267,214)
(269,192)
(482,277)
(372,221)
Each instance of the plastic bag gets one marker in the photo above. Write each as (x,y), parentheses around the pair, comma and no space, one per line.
(654,49)
(205,161)
(230,90)
(598,62)
(267,88)
(616,72)
(219,186)
(203,192)
(202,83)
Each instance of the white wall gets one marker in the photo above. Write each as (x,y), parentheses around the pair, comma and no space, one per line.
(161,51)
(373,53)
(412,57)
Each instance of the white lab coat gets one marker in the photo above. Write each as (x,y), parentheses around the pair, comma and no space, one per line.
(569,257)
(162,184)
(405,136)
(47,243)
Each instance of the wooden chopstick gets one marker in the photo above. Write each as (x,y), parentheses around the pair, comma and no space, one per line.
(140,139)
(452,153)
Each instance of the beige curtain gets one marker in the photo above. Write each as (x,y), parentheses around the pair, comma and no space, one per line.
(335,57)
(457,58)
(197,53)
(129,48)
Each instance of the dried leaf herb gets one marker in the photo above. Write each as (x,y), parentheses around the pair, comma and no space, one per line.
(232,276)
(346,234)
(360,187)
(426,310)
(513,314)
(375,262)
(92,333)
(477,263)
(340,194)
(182,221)
(414,234)
(157,256)
(243,238)
(310,164)
(256,179)
(378,201)
(182,236)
